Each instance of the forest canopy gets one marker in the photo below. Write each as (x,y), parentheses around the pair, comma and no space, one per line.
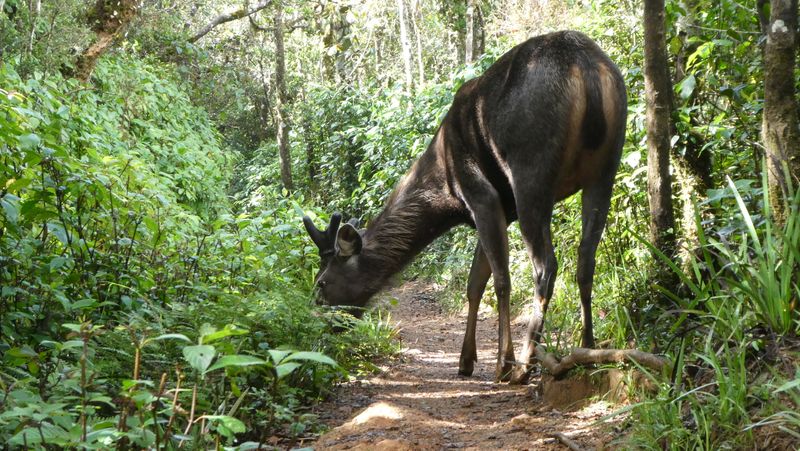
(156,159)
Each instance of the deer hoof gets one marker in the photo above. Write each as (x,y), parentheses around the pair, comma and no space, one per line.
(503,372)
(519,376)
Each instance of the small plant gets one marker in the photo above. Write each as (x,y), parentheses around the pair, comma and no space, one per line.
(739,290)
(164,413)
(764,267)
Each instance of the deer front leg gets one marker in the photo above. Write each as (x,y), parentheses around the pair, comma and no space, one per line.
(491,224)
(479,275)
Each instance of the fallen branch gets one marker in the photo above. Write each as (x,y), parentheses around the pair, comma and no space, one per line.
(585,356)
(569,443)
(228,17)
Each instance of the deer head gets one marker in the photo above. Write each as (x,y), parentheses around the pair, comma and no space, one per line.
(341,279)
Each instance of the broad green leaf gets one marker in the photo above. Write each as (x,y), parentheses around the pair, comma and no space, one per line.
(29,141)
(83,304)
(229,330)
(199,356)
(10,204)
(686,86)
(312,357)
(278,355)
(57,263)
(170,337)
(236,360)
(59,232)
(206,329)
(14,185)
(226,425)
(702,52)
(284,369)
(72,327)
(284,228)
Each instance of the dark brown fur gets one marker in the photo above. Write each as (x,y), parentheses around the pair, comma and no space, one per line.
(543,122)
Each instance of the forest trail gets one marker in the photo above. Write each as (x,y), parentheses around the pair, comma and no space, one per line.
(419,402)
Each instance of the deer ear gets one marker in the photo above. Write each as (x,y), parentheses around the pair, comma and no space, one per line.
(348,241)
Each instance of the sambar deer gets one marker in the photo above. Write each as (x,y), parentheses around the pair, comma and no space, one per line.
(543,122)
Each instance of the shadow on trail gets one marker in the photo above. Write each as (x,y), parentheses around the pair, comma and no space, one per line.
(420,402)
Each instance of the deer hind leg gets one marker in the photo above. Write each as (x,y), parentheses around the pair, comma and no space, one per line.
(596,201)
(479,275)
(535,228)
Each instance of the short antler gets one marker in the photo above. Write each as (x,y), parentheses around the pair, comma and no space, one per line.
(324,239)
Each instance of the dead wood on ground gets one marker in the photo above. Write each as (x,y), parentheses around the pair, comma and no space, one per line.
(585,356)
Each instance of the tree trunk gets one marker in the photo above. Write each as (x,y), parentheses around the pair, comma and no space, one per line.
(328,62)
(693,163)
(311,162)
(378,54)
(469,38)
(460,39)
(405,45)
(107,18)
(416,18)
(343,40)
(480,28)
(336,40)
(779,128)
(280,85)
(35,12)
(658,98)
(187,24)
(264,104)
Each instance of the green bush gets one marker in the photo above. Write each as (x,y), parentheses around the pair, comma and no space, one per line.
(740,312)
(137,306)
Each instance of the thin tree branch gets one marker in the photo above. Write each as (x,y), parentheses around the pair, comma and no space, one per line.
(296,24)
(566,441)
(228,17)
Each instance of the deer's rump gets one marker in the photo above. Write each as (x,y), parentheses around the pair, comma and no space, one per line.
(549,112)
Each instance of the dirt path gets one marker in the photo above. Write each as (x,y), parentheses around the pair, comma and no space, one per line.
(419,402)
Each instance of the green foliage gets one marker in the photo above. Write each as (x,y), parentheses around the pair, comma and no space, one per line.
(114,213)
(740,309)
(90,213)
(43,39)
(764,267)
(362,140)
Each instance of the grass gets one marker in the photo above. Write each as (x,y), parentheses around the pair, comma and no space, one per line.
(741,308)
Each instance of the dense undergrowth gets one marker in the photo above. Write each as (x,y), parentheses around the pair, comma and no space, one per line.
(156,284)
(139,305)
(734,381)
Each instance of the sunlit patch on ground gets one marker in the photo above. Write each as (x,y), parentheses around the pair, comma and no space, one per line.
(377,410)
(420,402)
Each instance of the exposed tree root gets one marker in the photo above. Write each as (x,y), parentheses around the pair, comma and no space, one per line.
(584,356)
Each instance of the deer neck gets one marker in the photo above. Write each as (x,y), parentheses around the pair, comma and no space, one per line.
(420,209)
